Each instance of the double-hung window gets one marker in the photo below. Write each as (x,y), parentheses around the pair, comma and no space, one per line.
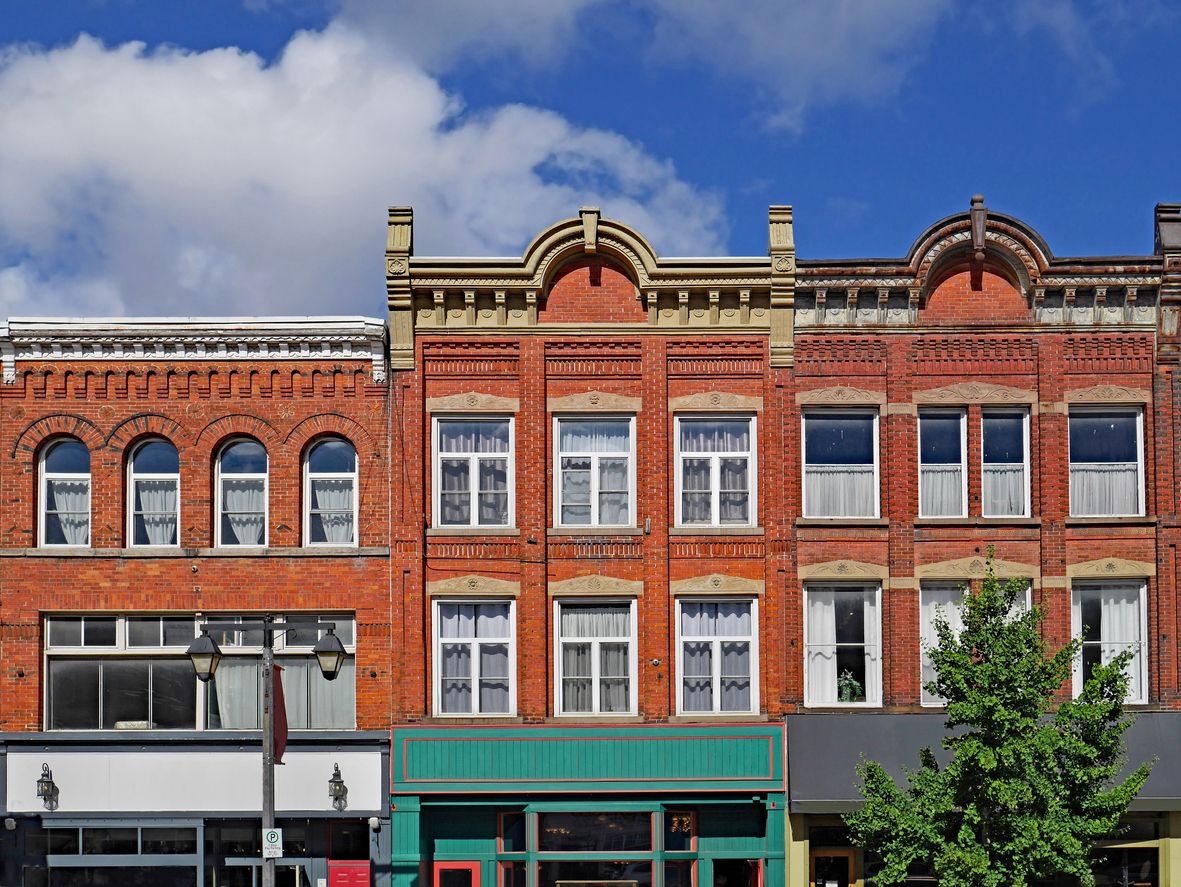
(596,661)
(473,472)
(65,494)
(242,494)
(154,490)
(943,480)
(596,479)
(1106,459)
(330,493)
(715,472)
(475,658)
(718,656)
(840,463)
(842,641)
(1109,618)
(1004,463)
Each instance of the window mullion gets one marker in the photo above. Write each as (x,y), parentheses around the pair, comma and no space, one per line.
(716,674)
(595,676)
(473,481)
(715,484)
(474,675)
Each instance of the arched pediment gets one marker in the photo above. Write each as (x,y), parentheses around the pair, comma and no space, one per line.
(589,234)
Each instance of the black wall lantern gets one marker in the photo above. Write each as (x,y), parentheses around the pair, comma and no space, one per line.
(47,788)
(337,790)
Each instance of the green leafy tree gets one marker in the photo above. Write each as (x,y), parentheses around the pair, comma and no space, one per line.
(1028,790)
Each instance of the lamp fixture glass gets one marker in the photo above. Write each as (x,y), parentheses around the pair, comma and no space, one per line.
(337,790)
(329,652)
(47,789)
(205,655)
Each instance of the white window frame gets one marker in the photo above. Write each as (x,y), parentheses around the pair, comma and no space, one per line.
(876,587)
(559,454)
(436,470)
(354,476)
(716,642)
(266,495)
(1076,630)
(1134,409)
(133,476)
(1024,411)
(43,499)
(962,413)
(632,658)
(437,659)
(875,415)
(715,474)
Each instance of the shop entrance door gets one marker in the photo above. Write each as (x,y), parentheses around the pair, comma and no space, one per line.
(831,868)
(457,874)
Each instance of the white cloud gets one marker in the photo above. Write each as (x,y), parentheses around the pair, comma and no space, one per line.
(176,182)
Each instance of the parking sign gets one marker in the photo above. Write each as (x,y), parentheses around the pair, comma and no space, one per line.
(272,843)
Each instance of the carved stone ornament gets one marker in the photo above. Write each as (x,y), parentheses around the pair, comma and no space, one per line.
(974,568)
(595,584)
(842,395)
(594,401)
(717,583)
(718,401)
(472,402)
(472,585)
(1110,568)
(1109,394)
(975,392)
(843,569)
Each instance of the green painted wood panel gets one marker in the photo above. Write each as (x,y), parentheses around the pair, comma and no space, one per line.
(544,758)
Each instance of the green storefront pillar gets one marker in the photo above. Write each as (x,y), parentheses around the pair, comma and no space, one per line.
(406,850)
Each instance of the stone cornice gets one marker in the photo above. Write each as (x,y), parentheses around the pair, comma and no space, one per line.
(717,583)
(594,402)
(472,402)
(1110,568)
(473,585)
(593,585)
(1108,394)
(714,401)
(974,568)
(975,392)
(840,395)
(842,569)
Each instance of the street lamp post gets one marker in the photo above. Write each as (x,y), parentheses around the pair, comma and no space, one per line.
(205,655)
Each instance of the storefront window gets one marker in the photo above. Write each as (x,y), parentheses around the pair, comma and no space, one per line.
(679,828)
(512,874)
(678,873)
(595,832)
(570,873)
(512,832)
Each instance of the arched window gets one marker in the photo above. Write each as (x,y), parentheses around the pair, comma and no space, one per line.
(242,494)
(65,494)
(330,493)
(154,493)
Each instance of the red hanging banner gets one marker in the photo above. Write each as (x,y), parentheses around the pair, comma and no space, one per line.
(280,713)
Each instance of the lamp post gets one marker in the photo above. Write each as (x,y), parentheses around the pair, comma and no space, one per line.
(205,655)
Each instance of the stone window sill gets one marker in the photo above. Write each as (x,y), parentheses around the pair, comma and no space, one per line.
(1138,520)
(594,531)
(715,531)
(432,532)
(842,522)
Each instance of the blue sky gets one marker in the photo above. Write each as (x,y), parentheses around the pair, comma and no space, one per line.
(236,156)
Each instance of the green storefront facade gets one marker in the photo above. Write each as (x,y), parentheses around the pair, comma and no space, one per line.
(560,806)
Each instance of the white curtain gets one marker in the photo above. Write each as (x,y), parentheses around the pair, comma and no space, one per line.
(1003,489)
(494,679)
(576,678)
(458,436)
(1103,488)
(455,501)
(493,492)
(735,676)
(595,621)
(822,649)
(331,704)
(157,505)
(698,679)
(234,702)
(943,600)
(614,677)
(733,498)
(613,491)
(70,502)
(696,497)
(840,490)
(873,647)
(942,491)
(473,620)
(715,435)
(594,436)
(1120,630)
(456,678)
(332,504)
(713,618)
(244,504)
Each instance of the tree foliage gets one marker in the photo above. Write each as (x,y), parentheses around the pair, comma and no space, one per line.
(1028,790)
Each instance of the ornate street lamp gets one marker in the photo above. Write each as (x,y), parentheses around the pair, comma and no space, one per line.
(337,790)
(47,789)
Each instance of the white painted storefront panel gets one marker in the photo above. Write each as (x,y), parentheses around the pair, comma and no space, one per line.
(151,782)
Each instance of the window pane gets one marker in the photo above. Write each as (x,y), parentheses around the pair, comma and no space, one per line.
(594,832)
(592,620)
(169,840)
(939,439)
(125,694)
(850,618)
(41,841)
(1004,438)
(98,631)
(156,457)
(178,631)
(838,439)
(512,832)
(244,457)
(143,631)
(110,840)
(174,695)
(473,436)
(1103,437)
(331,704)
(67,457)
(233,698)
(573,873)
(715,435)
(65,631)
(492,620)
(73,694)
(1091,616)
(594,435)
(302,637)
(332,456)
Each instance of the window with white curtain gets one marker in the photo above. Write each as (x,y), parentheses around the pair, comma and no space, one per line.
(945,598)
(715,471)
(1106,459)
(475,658)
(840,463)
(65,494)
(1004,463)
(595,481)
(154,491)
(242,494)
(943,480)
(842,640)
(717,647)
(596,659)
(330,493)
(473,472)
(1109,618)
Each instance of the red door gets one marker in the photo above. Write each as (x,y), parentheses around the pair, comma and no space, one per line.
(457,874)
(348,873)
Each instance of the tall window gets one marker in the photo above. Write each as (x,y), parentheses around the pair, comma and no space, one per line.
(473,472)
(1004,477)
(154,490)
(330,493)
(843,647)
(595,479)
(1109,617)
(718,656)
(242,494)
(715,472)
(65,494)
(474,658)
(943,482)
(1106,454)
(595,661)
(840,464)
